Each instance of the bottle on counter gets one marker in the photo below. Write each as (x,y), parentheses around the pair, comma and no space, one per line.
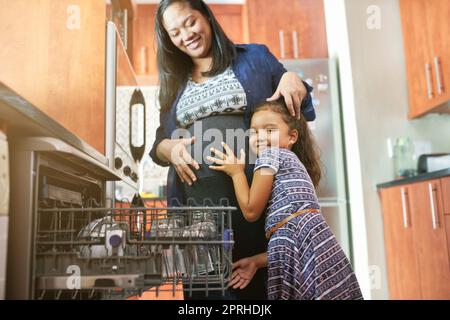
(404,165)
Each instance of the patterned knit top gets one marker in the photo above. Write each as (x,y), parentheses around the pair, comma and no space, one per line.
(292,189)
(221,94)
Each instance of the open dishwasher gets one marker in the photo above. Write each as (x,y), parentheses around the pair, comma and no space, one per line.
(65,243)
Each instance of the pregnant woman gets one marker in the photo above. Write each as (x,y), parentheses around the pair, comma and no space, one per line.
(207,82)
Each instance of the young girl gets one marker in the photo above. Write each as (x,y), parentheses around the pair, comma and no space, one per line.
(304,258)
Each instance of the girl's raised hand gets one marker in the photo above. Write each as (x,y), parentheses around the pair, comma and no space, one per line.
(227,162)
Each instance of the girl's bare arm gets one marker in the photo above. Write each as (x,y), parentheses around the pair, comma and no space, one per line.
(252,200)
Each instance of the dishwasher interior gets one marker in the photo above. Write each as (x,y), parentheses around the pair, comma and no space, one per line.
(78,248)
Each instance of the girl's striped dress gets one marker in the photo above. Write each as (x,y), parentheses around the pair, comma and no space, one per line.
(305,260)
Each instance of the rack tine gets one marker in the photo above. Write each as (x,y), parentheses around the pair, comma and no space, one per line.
(74,295)
(41,297)
(91,294)
(58,294)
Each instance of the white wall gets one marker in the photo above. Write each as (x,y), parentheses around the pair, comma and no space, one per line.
(339,48)
(375,104)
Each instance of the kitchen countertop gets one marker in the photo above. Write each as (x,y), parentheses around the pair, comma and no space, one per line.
(24,119)
(418,178)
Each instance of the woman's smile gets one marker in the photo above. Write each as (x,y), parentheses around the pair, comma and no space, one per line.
(194,44)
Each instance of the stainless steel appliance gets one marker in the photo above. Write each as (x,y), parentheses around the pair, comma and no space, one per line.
(433,162)
(4,206)
(125,120)
(327,129)
(66,243)
(45,172)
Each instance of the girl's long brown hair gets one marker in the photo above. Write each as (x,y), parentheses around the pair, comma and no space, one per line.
(305,148)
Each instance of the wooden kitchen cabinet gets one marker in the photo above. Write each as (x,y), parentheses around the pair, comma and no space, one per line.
(416,241)
(418,64)
(399,237)
(143,57)
(430,239)
(231,19)
(305,17)
(53,54)
(438,13)
(427,53)
(445,183)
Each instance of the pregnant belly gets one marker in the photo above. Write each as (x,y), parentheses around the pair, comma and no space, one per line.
(213,187)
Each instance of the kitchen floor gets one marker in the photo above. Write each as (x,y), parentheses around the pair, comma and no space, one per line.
(164,294)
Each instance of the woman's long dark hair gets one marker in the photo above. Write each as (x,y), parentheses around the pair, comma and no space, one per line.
(305,147)
(174,65)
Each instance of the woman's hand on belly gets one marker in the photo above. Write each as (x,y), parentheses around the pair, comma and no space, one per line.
(174,151)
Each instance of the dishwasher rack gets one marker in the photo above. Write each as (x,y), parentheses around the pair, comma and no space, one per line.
(114,253)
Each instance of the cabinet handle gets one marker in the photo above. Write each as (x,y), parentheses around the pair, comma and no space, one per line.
(143,60)
(283,55)
(125,29)
(295,43)
(433,208)
(428,76)
(437,66)
(405,214)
